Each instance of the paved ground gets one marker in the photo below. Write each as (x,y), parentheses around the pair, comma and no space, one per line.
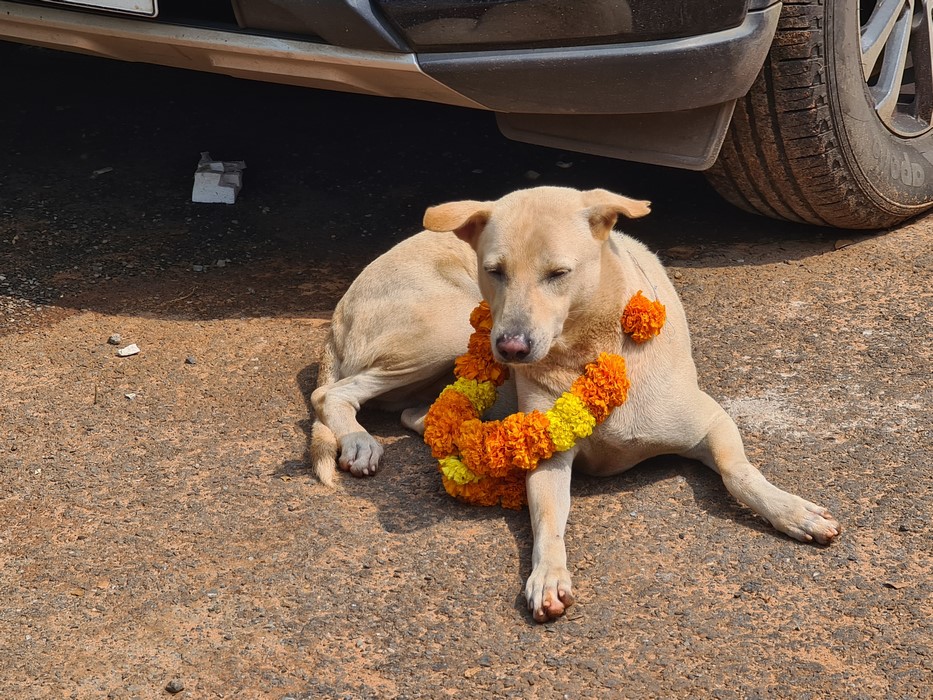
(158,522)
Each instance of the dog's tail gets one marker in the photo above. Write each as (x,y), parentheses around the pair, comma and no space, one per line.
(323,441)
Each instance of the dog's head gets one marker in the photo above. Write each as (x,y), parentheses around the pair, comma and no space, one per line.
(540,254)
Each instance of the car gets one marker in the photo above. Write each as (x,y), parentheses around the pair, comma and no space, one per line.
(813,111)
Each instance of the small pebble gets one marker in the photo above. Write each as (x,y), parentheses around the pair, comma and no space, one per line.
(175,686)
(532,174)
(191,360)
(115,339)
(132,349)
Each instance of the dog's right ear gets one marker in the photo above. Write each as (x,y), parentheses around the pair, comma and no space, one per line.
(466,219)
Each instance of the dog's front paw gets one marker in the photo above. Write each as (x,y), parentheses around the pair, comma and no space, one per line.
(360,454)
(806,521)
(548,592)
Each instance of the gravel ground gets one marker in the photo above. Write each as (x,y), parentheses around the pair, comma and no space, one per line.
(161,532)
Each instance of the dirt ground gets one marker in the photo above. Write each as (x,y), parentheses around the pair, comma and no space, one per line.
(159,527)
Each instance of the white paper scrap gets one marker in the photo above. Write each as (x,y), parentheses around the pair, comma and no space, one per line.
(217,181)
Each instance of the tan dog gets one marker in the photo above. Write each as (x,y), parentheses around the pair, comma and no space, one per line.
(557,279)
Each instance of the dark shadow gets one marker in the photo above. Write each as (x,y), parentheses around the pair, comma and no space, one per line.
(95,186)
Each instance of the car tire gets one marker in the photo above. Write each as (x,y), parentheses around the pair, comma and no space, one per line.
(823,139)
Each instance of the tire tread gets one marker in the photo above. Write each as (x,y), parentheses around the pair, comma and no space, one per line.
(781,156)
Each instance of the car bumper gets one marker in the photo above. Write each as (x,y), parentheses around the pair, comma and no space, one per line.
(665,101)
(621,78)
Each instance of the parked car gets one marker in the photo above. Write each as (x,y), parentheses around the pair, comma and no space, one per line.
(816,111)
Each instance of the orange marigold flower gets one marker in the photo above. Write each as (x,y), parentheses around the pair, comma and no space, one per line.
(527,439)
(509,491)
(643,318)
(603,386)
(495,453)
(481,318)
(444,419)
(478,363)
(471,442)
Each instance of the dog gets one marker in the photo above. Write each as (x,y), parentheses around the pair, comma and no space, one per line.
(556,277)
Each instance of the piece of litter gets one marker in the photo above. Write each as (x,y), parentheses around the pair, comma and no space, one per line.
(102,171)
(191,360)
(114,339)
(217,181)
(564,164)
(130,396)
(132,349)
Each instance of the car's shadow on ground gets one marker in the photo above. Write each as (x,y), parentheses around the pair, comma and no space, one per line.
(95,209)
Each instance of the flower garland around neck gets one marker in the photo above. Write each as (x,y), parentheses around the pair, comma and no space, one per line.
(485,462)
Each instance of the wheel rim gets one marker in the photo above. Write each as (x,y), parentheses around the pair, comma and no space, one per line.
(896,38)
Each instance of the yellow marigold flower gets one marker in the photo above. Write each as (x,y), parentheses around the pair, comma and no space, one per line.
(457,471)
(570,420)
(643,318)
(481,394)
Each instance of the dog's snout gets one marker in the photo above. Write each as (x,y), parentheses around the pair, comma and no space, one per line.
(513,347)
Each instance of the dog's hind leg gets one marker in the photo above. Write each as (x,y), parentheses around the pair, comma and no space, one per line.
(722,450)
(337,404)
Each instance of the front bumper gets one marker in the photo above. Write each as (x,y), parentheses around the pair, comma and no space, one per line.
(666,101)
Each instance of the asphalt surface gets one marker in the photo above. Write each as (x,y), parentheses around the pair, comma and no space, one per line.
(160,528)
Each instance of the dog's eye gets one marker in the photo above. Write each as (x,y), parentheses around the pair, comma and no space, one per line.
(557,274)
(495,271)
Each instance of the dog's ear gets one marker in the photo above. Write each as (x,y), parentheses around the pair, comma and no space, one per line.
(604,208)
(466,219)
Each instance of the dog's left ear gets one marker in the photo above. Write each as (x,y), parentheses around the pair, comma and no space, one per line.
(466,219)
(604,208)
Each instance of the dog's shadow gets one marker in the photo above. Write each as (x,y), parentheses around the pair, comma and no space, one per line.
(408,495)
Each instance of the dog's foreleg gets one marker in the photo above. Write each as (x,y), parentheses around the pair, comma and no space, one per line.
(548,591)
(722,450)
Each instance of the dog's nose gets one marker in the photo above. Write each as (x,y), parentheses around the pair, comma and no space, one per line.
(513,347)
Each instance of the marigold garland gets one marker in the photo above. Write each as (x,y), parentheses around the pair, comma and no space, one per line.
(485,462)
